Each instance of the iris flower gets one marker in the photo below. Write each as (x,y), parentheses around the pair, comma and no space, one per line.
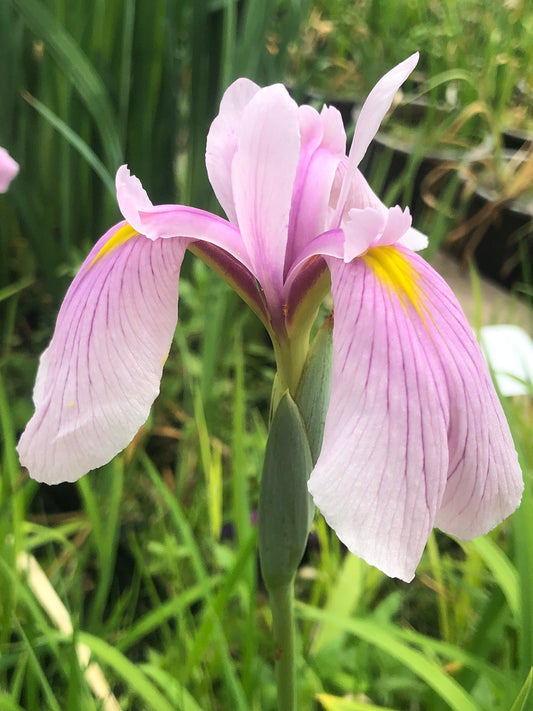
(414,437)
(8,169)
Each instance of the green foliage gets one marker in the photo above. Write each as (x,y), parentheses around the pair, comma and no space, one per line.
(151,561)
(284,500)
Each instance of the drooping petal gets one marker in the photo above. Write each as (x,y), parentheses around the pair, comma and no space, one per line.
(222,142)
(263,173)
(372,114)
(414,436)
(101,372)
(370,481)
(9,169)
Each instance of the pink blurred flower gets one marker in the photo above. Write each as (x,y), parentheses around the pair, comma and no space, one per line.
(415,436)
(8,169)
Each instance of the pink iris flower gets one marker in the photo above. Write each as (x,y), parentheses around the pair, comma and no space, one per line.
(415,436)
(8,169)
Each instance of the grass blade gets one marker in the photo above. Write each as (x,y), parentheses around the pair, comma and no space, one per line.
(136,681)
(429,671)
(75,141)
(523,695)
(80,72)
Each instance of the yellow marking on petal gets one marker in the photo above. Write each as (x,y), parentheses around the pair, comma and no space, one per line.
(71,404)
(395,271)
(122,235)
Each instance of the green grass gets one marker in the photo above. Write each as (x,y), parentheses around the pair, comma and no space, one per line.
(152,587)
(153,557)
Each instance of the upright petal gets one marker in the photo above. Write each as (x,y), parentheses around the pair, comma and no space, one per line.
(372,114)
(323,146)
(263,173)
(376,106)
(222,142)
(101,372)
(9,169)
(414,435)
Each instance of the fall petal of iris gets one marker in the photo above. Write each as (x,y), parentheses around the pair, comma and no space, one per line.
(370,481)
(414,436)
(101,372)
(484,481)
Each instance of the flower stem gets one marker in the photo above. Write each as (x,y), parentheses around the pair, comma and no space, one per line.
(282,606)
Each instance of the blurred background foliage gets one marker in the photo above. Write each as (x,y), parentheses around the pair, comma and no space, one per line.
(153,557)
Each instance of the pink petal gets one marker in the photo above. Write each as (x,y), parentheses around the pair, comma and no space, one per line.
(168,221)
(131,197)
(323,145)
(222,142)
(9,169)
(414,240)
(101,372)
(327,244)
(263,174)
(372,114)
(164,221)
(398,223)
(361,196)
(361,229)
(415,435)
(370,226)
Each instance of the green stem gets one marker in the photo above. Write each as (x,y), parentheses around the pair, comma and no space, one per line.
(282,606)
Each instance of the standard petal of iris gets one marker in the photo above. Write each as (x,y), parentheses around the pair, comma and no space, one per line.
(415,435)
(376,106)
(263,174)
(372,114)
(222,142)
(101,372)
(323,144)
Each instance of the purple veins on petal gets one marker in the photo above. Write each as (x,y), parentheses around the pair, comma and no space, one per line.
(415,436)
(99,376)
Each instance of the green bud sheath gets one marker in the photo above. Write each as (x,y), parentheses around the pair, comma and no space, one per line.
(314,388)
(284,500)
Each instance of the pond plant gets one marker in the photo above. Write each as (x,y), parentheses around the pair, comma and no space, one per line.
(387,421)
